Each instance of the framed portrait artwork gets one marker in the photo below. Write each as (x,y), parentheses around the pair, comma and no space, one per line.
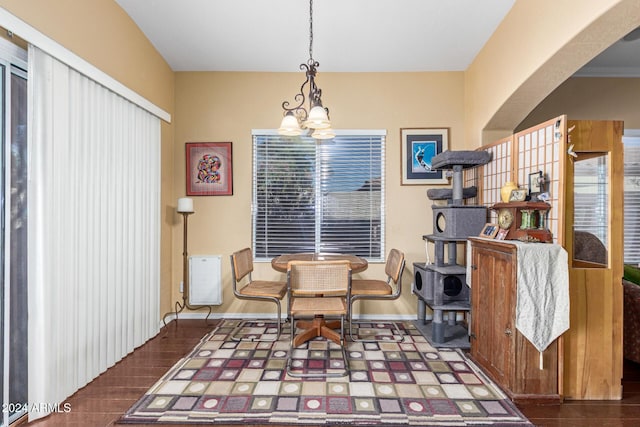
(419,145)
(536,184)
(209,169)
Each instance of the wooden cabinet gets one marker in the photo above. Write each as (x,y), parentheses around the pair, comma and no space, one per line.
(583,168)
(496,346)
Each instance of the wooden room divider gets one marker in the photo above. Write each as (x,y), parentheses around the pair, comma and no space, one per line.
(590,352)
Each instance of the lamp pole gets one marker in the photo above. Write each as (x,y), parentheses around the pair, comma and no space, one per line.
(185,208)
(185,259)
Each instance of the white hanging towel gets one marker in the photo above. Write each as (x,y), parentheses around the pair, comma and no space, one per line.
(542,308)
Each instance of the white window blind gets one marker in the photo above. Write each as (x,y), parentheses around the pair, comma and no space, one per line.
(591,196)
(324,196)
(631,200)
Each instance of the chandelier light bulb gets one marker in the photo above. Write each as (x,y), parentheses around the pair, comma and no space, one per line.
(290,126)
(318,118)
(326,133)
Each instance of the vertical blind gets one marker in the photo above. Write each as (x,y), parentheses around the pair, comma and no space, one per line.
(324,196)
(94,227)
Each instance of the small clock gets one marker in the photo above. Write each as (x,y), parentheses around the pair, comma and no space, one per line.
(526,221)
(505,218)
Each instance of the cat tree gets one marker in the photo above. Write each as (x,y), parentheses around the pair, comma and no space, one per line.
(441,284)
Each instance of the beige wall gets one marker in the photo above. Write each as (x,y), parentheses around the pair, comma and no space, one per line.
(533,51)
(538,46)
(217,107)
(582,98)
(101,33)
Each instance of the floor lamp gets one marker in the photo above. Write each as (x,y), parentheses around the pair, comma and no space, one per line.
(185,208)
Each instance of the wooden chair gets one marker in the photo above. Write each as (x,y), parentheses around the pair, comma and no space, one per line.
(388,289)
(274,291)
(317,289)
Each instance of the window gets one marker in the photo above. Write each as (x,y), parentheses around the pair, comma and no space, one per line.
(631,198)
(591,210)
(313,196)
(591,195)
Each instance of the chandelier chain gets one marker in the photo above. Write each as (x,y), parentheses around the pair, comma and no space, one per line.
(310,30)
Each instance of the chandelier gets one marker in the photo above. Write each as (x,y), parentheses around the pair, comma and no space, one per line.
(296,118)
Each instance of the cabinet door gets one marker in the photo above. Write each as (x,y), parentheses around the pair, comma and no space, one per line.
(594,235)
(492,312)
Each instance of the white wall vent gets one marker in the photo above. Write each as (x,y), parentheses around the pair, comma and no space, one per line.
(205,280)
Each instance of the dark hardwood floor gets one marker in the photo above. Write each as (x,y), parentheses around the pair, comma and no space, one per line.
(103,401)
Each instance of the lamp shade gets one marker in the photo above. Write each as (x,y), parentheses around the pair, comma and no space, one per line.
(289,126)
(318,118)
(326,133)
(185,204)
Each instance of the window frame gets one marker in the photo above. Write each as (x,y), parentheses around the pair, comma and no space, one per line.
(371,133)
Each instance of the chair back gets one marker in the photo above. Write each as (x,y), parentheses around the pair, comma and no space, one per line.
(395,265)
(310,278)
(242,264)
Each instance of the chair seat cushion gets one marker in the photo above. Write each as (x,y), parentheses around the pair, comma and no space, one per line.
(312,306)
(265,288)
(370,287)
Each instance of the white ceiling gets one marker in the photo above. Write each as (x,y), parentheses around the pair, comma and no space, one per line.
(349,35)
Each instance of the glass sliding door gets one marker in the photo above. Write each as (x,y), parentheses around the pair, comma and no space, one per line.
(13,231)
(17,228)
(5,299)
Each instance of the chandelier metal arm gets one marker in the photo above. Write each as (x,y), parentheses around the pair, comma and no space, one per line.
(315,93)
(298,110)
(310,118)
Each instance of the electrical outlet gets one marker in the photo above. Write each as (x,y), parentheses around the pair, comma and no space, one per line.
(181,287)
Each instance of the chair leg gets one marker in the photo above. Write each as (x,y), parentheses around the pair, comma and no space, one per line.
(292,373)
(242,323)
(343,347)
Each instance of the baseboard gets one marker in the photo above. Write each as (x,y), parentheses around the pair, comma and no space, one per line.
(252,316)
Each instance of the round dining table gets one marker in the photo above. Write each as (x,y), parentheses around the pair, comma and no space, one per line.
(280,263)
(319,326)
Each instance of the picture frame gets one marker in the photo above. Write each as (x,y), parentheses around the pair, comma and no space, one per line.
(489,230)
(536,184)
(502,234)
(419,145)
(518,195)
(209,168)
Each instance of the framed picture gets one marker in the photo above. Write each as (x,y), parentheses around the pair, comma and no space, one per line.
(419,145)
(536,184)
(518,195)
(489,231)
(209,169)
(502,234)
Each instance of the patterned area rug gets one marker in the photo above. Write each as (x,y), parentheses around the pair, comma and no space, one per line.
(408,383)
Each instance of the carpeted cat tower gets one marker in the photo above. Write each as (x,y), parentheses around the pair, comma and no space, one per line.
(441,284)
